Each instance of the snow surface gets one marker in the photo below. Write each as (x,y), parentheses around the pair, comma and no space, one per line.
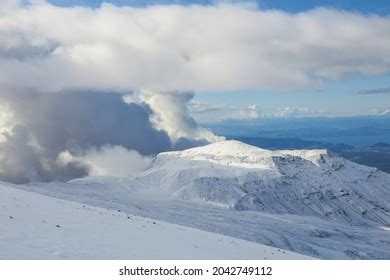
(307,201)
(33,226)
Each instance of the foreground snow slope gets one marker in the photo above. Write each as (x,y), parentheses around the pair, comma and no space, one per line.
(307,201)
(33,226)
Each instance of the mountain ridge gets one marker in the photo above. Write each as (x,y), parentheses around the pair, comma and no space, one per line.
(255,179)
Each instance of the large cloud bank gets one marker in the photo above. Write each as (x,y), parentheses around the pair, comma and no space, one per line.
(70,134)
(221,47)
(67,76)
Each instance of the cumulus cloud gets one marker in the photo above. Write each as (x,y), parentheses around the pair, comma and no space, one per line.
(170,114)
(22,160)
(97,129)
(5,121)
(86,118)
(166,47)
(108,161)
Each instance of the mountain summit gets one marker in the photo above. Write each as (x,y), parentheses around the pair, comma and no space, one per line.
(235,175)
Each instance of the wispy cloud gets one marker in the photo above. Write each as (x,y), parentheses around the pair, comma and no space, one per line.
(375,91)
(291,112)
(380,112)
(213,113)
(206,113)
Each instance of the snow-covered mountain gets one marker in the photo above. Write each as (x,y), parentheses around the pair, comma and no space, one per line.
(33,226)
(303,182)
(307,201)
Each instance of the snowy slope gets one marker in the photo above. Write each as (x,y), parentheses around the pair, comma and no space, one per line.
(33,226)
(307,201)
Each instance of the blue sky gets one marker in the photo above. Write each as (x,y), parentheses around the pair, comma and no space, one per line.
(334,97)
(365,6)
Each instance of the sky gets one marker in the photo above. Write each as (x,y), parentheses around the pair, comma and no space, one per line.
(332,97)
(365,6)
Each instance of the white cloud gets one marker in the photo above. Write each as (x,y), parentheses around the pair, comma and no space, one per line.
(108,161)
(205,113)
(6,121)
(170,114)
(208,113)
(104,133)
(7,5)
(380,112)
(221,47)
(287,112)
